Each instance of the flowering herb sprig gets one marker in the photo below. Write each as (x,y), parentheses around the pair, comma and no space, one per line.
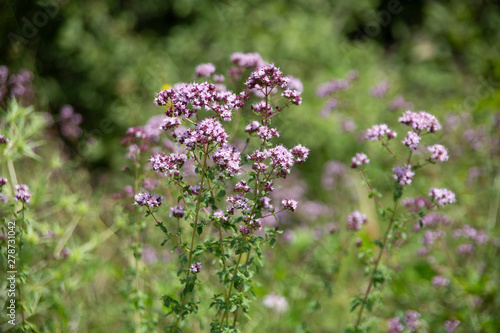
(404,173)
(227,195)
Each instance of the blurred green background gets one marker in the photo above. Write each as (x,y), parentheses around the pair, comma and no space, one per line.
(108,59)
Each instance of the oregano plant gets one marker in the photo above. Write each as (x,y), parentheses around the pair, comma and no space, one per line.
(218,185)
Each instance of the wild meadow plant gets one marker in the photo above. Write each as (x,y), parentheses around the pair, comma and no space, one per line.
(461,285)
(421,124)
(219,185)
(47,233)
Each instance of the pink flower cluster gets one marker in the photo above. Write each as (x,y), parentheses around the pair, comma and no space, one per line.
(177,211)
(184,100)
(293,96)
(411,321)
(412,140)
(146,199)
(451,325)
(399,102)
(442,196)
(22,193)
(204,70)
(3,139)
(471,233)
(359,160)
(196,268)
(355,220)
(380,89)
(248,60)
(266,133)
(332,86)
(251,225)
(169,164)
(421,121)
(439,153)
(416,204)
(377,132)
(169,123)
(289,204)
(432,220)
(228,158)
(440,281)
(210,130)
(403,174)
(300,153)
(267,77)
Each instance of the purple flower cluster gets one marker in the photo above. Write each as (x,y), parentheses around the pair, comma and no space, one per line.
(293,96)
(228,158)
(289,204)
(377,132)
(239,202)
(300,153)
(411,320)
(440,281)
(196,268)
(170,123)
(185,100)
(432,220)
(294,84)
(359,160)
(3,139)
(3,181)
(242,187)
(69,122)
(416,204)
(169,164)
(177,212)
(442,196)
(251,225)
(421,121)
(380,89)
(330,105)
(267,77)
(355,220)
(150,184)
(146,199)
(332,86)
(439,153)
(252,127)
(395,325)
(247,60)
(403,174)
(471,233)
(266,133)
(210,130)
(18,86)
(399,102)
(204,70)
(431,236)
(281,159)
(22,193)
(451,325)
(333,171)
(412,140)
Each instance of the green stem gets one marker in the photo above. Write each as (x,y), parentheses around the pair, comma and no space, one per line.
(136,250)
(198,206)
(370,284)
(226,312)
